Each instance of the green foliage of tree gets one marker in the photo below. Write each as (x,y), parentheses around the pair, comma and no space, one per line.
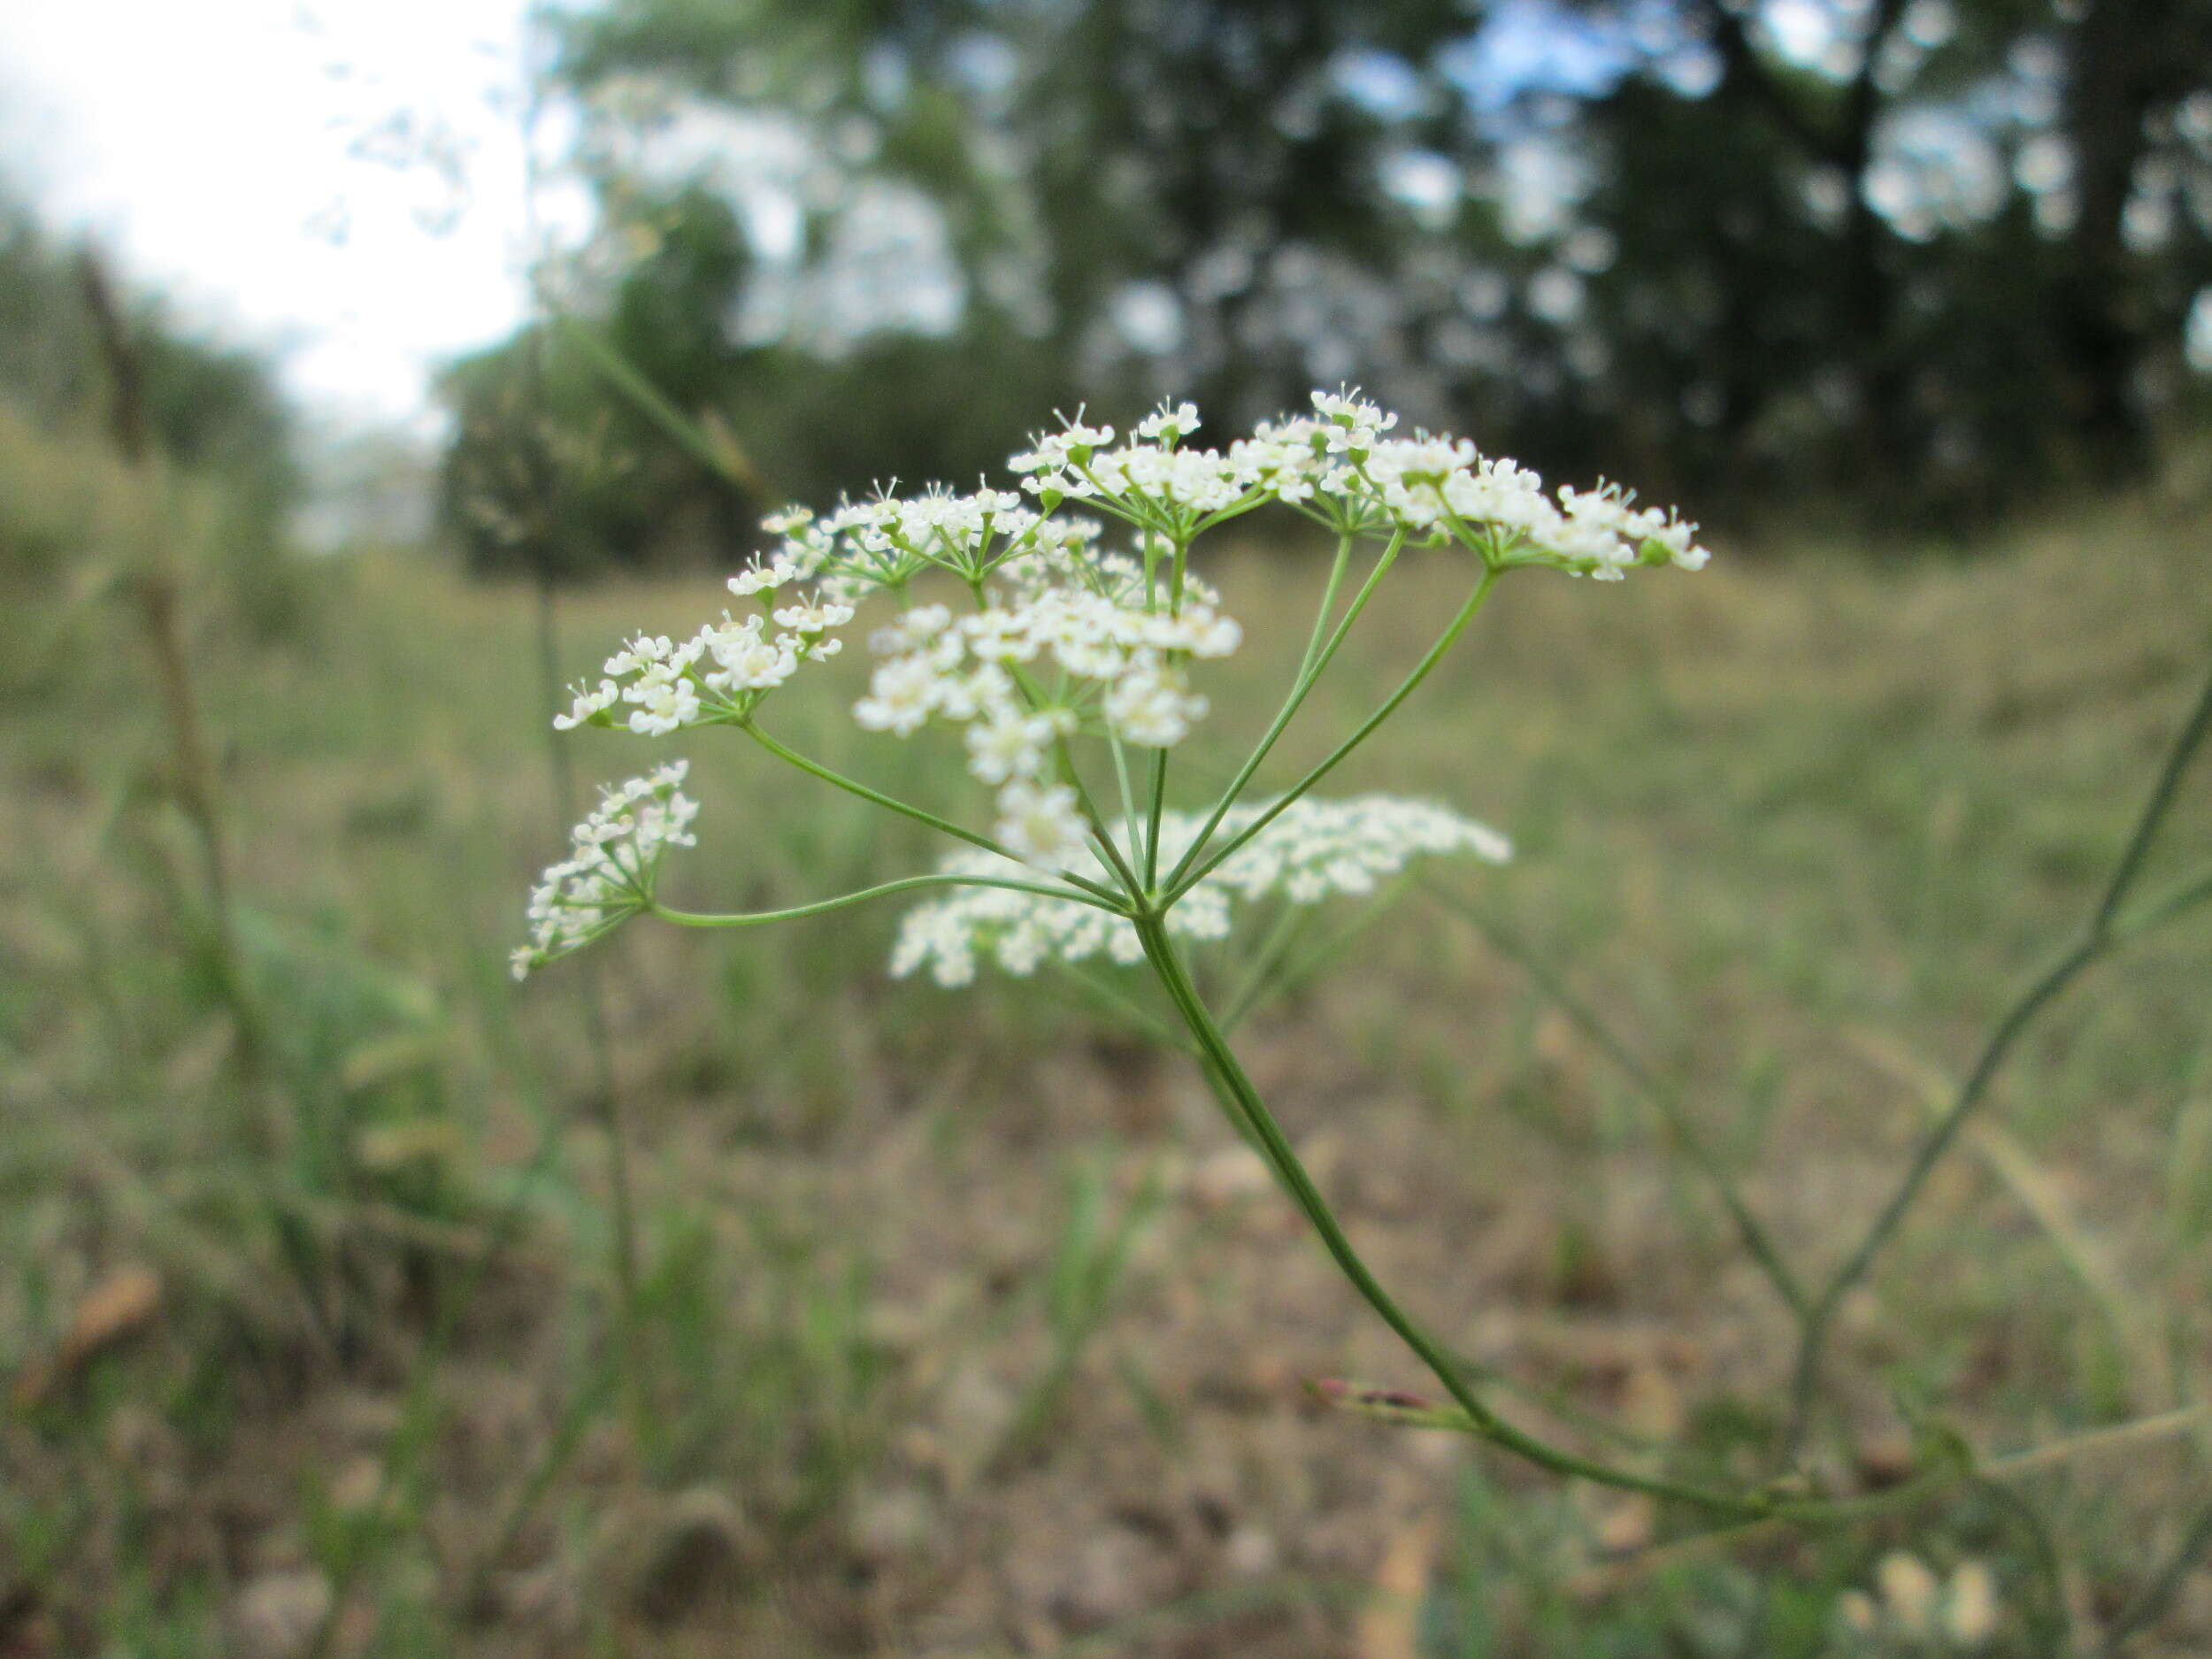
(1741,295)
(1966,361)
(550,472)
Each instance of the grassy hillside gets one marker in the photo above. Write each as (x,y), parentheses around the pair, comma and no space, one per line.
(963,1326)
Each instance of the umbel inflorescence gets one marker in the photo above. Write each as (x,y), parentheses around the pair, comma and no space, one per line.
(1312,850)
(1059,628)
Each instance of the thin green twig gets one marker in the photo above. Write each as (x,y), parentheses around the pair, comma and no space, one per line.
(2098,937)
(1179,885)
(1318,656)
(821,907)
(853,785)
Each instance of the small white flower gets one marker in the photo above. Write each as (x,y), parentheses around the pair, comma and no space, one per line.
(1171,426)
(1311,850)
(748,659)
(901,695)
(1152,704)
(1040,826)
(612,868)
(1008,746)
(818,615)
(1061,451)
(665,699)
(588,705)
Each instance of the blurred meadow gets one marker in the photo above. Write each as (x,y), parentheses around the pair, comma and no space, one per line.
(717,1294)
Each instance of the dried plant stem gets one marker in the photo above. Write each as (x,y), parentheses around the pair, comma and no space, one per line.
(2114,1437)
(2096,939)
(549,481)
(157,587)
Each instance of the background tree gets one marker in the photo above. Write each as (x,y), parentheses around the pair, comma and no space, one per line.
(1948,248)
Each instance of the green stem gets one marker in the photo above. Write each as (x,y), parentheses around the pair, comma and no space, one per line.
(1109,849)
(1179,885)
(1127,1007)
(1870,1506)
(1128,795)
(1306,962)
(1337,567)
(2098,938)
(853,785)
(2184,749)
(1308,673)
(1299,1185)
(754,918)
(1155,807)
(591,989)
(2176,901)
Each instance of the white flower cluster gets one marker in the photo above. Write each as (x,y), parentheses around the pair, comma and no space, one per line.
(886,541)
(1340,464)
(1066,639)
(654,685)
(613,863)
(1035,665)
(1311,850)
(719,674)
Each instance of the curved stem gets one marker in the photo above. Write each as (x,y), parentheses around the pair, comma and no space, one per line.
(1274,946)
(2099,937)
(2184,748)
(2113,1436)
(1128,1008)
(2177,901)
(1129,819)
(1276,1148)
(754,918)
(1180,885)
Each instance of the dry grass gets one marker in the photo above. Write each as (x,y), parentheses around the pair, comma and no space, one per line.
(969,1329)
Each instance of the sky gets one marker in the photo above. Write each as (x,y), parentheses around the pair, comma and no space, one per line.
(341,180)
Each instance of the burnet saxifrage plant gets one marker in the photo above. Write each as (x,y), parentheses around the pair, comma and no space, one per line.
(1062,629)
